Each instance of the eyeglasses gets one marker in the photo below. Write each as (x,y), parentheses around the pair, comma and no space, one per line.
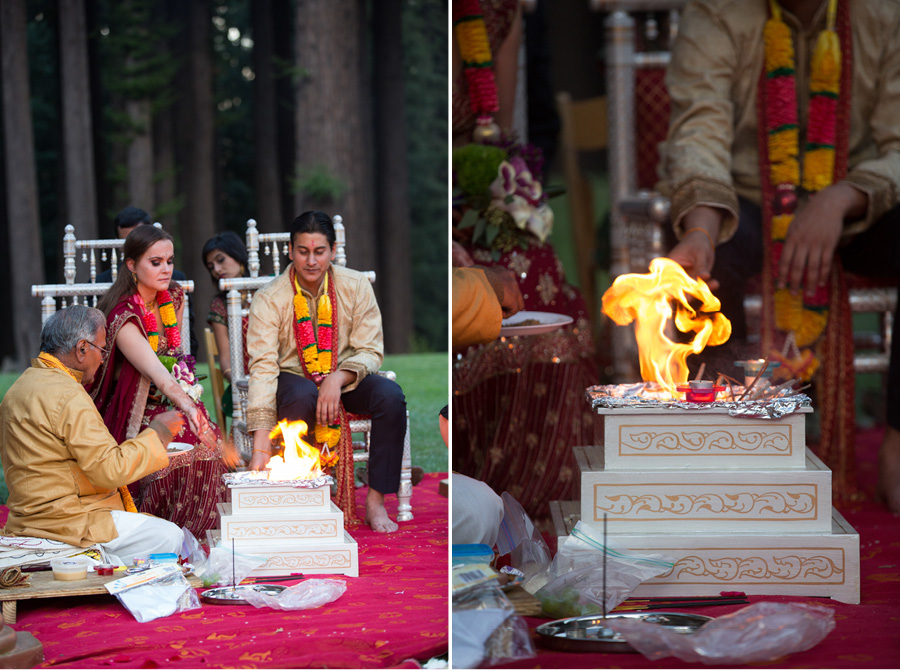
(103,352)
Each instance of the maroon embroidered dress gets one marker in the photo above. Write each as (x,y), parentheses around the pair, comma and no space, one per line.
(518,404)
(187,491)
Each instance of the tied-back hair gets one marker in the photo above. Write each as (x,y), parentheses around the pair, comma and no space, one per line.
(314,222)
(136,245)
(65,328)
(230,244)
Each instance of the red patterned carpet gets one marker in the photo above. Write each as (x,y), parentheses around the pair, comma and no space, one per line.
(395,611)
(866,635)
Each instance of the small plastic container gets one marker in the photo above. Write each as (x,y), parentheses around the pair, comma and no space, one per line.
(105,569)
(159,559)
(700,391)
(466,554)
(69,569)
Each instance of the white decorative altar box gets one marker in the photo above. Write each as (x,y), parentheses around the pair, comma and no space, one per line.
(822,564)
(293,525)
(282,525)
(323,558)
(665,439)
(263,499)
(722,501)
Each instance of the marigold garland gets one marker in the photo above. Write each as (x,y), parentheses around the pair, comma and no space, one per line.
(54,362)
(806,316)
(169,319)
(478,65)
(315,347)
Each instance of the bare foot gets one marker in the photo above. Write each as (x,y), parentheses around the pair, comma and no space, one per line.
(376,515)
(889,470)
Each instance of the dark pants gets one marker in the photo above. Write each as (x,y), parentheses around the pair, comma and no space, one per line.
(873,253)
(376,396)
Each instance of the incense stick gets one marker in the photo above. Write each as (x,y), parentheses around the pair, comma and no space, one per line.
(700,371)
(734,595)
(604,565)
(678,604)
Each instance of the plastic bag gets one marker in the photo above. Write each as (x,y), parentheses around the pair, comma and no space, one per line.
(224,569)
(191,550)
(160,597)
(304,596)
(519,536)
(486,630)
(575,581)
(760,633)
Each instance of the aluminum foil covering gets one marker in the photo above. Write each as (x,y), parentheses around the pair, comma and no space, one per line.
(649,395)
(261,478)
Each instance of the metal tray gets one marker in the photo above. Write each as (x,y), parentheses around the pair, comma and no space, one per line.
(587,633)
(226,595)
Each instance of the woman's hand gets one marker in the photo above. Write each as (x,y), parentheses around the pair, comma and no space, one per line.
(262,450)
(460,257)
(200,426)
(230,456)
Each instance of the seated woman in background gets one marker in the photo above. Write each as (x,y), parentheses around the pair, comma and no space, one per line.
(143,310)
(225,256)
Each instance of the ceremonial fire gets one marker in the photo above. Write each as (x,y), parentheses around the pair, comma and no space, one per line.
(650,301)
(301,460)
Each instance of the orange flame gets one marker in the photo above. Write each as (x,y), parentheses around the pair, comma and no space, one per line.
(301,460)
(646,299)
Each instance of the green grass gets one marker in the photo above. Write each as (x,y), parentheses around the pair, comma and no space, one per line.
(425,381)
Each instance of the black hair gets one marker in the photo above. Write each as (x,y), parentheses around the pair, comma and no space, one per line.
(314,222)
(130,217)
(229,243)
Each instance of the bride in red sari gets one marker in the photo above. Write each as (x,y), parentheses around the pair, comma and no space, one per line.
(143,309)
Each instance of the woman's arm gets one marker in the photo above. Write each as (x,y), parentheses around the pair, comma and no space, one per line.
(135,347)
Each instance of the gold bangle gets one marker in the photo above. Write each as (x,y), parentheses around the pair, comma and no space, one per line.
(263,451)
(704,231)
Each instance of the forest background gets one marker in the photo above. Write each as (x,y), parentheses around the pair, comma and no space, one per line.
(208,113)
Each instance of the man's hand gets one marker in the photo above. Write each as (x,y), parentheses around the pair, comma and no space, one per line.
(172,421)
(696,252)
(328,406)
(262,450)
(507,289)
(814,234)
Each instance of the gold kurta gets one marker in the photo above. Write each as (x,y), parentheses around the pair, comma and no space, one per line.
(476,310)
(61,464)
(711,154)
(272,346)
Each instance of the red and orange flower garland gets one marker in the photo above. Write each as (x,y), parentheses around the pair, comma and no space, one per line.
(316,355)
(169,319)
(805,317)
(478,65)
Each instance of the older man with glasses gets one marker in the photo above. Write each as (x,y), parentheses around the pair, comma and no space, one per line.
(67,476)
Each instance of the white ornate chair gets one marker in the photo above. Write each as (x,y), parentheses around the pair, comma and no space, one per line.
(637,102)
(239,292)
